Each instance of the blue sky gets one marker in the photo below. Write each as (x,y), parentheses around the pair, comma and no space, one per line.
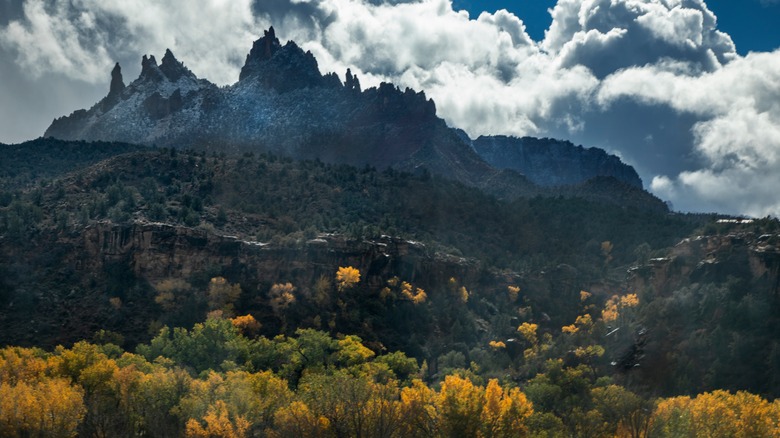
(754,25)
(687,92)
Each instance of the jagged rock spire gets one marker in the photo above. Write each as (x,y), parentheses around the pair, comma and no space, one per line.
(117,84)
(262,50)
(115,89)
(352,82)
(149,69)
(172,68)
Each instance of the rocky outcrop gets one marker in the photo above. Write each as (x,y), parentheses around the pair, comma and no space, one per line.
(114,91)
(155,251)
(550,162)
(149,69)
(103,276)
(283,68)
(713,259)
(262,51)
(117,84)
(173,69)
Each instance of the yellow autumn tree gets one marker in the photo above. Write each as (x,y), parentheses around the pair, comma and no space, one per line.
(418,408)
(415,295)
(51,407)
(504,414)
(171,292)
(22,364)
(583,322)
(460,407)
(297,421)
(347,277)
(617,306)
(716,414)
(464,409)
(528,332)
(460,292)
(246,324)
(218,423)
(497,345)
(222,295)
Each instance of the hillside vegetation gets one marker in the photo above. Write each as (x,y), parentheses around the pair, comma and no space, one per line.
(261,296)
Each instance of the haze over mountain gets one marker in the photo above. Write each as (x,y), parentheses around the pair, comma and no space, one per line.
(694,115)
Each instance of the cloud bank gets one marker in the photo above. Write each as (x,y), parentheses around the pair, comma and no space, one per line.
(654,81)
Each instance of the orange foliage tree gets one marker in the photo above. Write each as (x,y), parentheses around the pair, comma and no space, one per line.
(347,277)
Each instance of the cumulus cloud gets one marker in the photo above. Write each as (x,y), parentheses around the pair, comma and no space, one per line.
(737,137)
(607,35)
(652,80)
(82,39)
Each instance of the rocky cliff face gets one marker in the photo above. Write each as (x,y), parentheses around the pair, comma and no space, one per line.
(550,162)
(110,270)
(713,259)
(155,251)
(283,104)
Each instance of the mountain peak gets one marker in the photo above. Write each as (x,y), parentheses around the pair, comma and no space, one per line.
(149,68)
(282,68)
(114,91)
(263,50)
(168,57)
(550,162)
(172,68)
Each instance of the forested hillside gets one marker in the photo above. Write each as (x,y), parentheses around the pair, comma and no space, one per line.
(167,292)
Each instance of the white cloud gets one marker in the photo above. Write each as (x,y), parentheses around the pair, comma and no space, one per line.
(652,80)
(51,41)
(607,35)
(82,39)
(737,139)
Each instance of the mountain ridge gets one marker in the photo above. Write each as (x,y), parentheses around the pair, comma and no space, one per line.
(283,104)
(551,162)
